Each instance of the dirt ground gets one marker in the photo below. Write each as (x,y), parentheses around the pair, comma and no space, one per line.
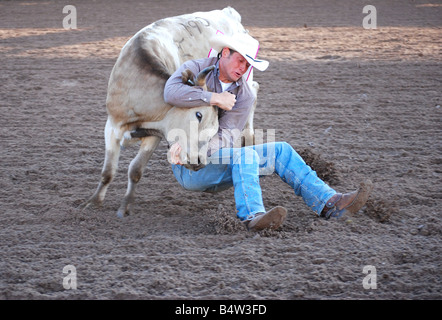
(356,103)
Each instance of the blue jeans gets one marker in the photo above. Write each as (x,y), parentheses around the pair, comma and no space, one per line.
(242,167)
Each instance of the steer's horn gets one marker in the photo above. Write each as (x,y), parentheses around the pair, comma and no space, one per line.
(201,78)
(187,77)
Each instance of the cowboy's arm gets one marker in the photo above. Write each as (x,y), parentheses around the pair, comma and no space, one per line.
(178,94)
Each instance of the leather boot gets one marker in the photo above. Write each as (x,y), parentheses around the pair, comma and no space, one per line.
(272,219)
(351,202)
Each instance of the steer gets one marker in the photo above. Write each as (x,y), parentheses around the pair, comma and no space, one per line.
(135,104)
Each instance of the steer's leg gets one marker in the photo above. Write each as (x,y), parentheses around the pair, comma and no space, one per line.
(137,165)
(112,139)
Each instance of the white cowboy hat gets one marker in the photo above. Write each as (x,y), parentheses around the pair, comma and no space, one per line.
(244,44)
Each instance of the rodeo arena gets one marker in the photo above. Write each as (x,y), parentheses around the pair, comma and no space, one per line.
(221,158)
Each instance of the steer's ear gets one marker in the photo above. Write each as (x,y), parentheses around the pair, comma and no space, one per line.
(188,77)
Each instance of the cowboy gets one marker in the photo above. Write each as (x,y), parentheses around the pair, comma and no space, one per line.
(241,167)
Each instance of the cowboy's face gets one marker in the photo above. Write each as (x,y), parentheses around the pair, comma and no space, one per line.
(232,66)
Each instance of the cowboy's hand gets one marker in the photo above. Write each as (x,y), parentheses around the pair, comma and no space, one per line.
(224,100)
(175,151)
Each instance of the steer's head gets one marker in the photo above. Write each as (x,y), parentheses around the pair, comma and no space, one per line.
(193,128)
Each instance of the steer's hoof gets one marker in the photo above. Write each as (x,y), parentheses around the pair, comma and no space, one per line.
(122,212)
(89,204)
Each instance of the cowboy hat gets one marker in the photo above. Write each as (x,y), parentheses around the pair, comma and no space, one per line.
(244,44)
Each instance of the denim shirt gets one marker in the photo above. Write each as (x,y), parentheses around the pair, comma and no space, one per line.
(232,122)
